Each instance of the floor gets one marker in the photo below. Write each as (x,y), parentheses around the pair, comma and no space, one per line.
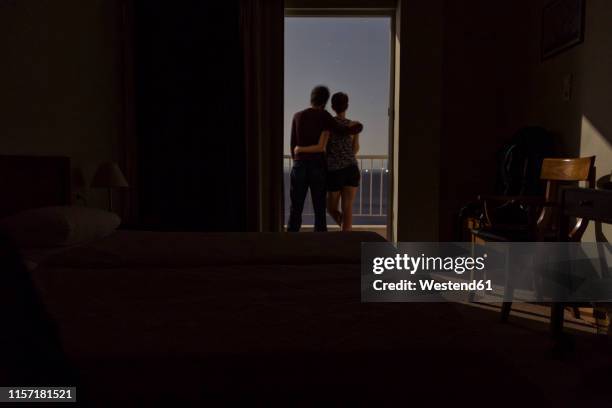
(586,322)
(379,229)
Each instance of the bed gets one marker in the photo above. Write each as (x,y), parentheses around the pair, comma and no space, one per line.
(190,318)
(145,296)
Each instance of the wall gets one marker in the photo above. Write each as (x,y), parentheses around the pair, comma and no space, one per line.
(59,81)
(463,85)
(418,108)
(485,90)
(583,124)
(495,82)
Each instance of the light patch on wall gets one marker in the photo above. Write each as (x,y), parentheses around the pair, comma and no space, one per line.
(593,143)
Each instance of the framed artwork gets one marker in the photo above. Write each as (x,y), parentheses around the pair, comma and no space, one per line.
(562,26)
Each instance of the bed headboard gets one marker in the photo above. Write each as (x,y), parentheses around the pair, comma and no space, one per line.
(33,181)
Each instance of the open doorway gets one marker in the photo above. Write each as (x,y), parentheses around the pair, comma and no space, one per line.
(350,53)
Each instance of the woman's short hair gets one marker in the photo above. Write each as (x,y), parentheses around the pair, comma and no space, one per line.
(339,102)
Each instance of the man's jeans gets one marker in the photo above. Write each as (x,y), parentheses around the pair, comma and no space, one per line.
(307,174)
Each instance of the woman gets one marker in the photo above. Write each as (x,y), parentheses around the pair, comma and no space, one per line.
(342,170)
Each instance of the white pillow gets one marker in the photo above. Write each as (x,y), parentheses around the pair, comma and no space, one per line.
(50,227)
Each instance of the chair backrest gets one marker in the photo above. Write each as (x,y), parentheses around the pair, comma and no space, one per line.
(520,160)
(556,172)
(576,169)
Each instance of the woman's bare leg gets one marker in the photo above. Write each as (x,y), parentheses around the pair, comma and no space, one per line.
(333,200)
(348,196)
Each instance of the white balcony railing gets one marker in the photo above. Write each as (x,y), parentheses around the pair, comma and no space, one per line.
(371,204)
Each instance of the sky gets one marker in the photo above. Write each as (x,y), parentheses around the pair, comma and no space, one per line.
(348,54)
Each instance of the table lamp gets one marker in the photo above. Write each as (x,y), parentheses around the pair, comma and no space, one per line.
(109,176)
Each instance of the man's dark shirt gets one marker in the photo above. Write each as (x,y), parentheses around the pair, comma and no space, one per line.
(307,127)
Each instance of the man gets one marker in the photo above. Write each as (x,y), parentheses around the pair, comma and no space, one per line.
(310,127)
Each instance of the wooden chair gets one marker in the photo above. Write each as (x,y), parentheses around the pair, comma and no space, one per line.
(542,223)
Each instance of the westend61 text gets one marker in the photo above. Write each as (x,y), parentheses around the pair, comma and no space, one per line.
(432,285)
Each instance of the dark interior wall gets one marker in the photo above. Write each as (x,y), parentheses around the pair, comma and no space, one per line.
(60,81)
(189,121)
(583,125)
(589,64)
(418,109)
(486,92)
(464,89)
(496,82)
(546,104)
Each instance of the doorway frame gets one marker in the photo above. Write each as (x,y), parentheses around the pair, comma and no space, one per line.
(365,12)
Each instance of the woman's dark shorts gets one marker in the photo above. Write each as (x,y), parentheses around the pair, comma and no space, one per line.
(346,177)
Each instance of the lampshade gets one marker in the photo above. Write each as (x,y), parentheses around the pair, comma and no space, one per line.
(109,175)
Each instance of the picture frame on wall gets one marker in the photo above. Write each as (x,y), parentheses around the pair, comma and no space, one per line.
(562,26)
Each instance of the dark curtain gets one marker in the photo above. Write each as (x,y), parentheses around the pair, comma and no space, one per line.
(262,31)
(208,80)
(126,151)
(190,110)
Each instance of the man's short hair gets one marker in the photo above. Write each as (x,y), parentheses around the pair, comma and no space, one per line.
(319,95)
(340,102)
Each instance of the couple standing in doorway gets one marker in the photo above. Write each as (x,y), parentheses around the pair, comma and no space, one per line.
(323,150)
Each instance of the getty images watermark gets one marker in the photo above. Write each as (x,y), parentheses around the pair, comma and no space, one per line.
(494,272)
